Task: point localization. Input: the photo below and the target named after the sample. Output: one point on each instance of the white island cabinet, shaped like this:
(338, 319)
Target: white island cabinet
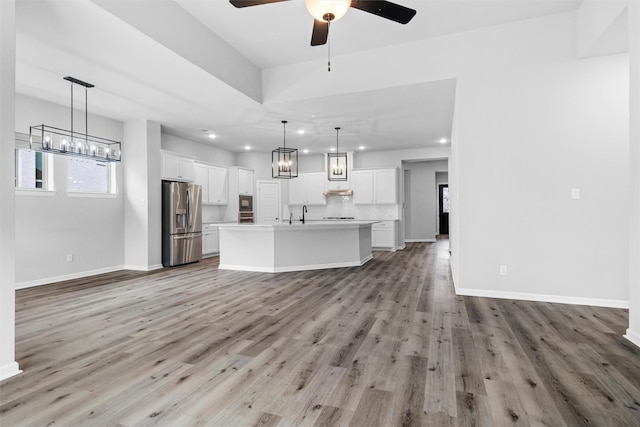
(274, 248)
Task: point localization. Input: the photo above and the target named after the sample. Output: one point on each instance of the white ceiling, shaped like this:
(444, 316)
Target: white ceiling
(134, 54)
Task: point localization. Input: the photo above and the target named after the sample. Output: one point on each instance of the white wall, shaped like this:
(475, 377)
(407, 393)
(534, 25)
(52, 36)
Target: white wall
(528, 135)
(633, 332)
(202, 152)
(8, 365)
(143, 195)
(421, 199)
(49, 228)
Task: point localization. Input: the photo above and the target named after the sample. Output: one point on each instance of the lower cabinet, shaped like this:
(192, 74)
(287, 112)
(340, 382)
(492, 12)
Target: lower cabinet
(210, 242)
(383, 235)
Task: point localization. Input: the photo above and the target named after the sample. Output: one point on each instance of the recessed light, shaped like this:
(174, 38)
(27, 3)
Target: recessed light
(212, 135)
(332, 148)
(300, 131)
(443, 140)
(247, 147)
(361, 147)
(305, 151)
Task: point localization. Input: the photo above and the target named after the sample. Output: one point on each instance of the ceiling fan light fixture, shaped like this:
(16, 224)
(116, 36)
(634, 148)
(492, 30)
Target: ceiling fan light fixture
(327, 10)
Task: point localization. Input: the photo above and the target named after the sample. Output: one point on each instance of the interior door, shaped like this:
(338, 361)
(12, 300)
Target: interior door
(443, 208)
(269, 206)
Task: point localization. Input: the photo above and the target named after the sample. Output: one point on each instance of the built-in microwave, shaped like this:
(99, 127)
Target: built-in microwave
(245, 209)
(246, 203)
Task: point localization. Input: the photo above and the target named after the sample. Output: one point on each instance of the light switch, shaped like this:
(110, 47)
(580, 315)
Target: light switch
(575, 193)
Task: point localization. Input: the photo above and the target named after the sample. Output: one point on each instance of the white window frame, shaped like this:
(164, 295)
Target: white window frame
(112, 187)
(48, 184)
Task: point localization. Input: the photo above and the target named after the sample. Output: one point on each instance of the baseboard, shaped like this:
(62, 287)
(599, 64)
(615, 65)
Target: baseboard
(420, 240)
(79, 275)
(401, 247)
(9, 370)
(141, 267)
(596, 302)
(633, 337)
(295, 267)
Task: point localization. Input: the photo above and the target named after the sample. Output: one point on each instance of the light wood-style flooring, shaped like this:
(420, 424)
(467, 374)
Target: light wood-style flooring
(386, 344)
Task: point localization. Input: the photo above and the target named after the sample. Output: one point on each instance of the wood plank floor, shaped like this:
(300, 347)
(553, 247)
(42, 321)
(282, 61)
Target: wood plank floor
(386, 344)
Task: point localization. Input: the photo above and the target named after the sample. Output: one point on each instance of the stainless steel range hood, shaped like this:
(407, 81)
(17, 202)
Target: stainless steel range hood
(338, 193)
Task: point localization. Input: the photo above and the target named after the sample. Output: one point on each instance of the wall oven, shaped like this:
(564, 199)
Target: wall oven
(245, 209)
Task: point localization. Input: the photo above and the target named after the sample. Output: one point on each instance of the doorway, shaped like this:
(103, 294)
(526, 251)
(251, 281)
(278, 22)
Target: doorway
(269, 206)
(443, 208)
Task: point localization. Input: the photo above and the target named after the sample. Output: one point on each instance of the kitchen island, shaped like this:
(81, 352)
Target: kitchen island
(275, 248)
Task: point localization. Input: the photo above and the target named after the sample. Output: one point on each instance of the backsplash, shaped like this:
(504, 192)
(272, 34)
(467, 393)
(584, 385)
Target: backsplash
(343, 206)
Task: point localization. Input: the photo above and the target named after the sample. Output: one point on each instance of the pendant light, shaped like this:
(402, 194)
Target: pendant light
(284, 161)
(68, 142)
(337, 163)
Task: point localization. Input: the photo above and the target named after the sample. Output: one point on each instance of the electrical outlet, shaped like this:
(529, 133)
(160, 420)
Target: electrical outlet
(503, 270)
(69, 257)
(575, 193)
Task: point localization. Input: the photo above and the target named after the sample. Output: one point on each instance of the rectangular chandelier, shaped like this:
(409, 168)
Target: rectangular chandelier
(62, 141)
(284, 163)
(68, 142)
(337, 167)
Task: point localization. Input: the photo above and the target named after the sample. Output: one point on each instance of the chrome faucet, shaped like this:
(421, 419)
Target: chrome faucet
(304, 209)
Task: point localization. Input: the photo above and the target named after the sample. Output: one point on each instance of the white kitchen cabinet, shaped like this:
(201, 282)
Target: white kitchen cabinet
(308, 189)
(218, 180)
(177, 168)
(383, 235)
(210, 239)
(245, 182)
(375, 186)
(201, 177)
(214, 182)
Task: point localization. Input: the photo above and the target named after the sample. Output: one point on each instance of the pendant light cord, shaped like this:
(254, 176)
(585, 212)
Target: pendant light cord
(328, 46)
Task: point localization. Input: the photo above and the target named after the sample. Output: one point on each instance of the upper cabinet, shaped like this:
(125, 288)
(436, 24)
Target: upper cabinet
(308, 189)
(218, 185)
(375, 186)
(177, 168)
(245, 182)
(214, 182)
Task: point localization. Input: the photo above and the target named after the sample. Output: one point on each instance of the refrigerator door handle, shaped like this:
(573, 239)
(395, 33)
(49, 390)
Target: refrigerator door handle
(188, 209)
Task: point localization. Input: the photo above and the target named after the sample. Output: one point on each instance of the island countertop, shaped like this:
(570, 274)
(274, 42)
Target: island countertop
(294, 247)
(298, 225)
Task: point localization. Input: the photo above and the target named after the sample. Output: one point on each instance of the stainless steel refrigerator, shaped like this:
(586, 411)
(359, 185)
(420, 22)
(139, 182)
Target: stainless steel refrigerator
(181, 223)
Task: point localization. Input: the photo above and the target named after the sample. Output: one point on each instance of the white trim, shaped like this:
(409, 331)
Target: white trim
(384, 248)
(9, 370)
(401, 247)
(420, 240)
(79, 275)
(89, 194)
(35, 192)
(142, 267)
(597, 302)
(294, 267)
(633, 337)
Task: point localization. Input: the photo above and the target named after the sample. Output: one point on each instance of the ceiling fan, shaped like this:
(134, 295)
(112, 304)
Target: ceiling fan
(326, 11)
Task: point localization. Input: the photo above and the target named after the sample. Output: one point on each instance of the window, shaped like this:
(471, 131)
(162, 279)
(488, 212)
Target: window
(33, 170)
(89, 176)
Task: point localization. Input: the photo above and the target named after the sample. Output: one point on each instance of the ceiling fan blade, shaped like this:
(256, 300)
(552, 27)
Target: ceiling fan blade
(320, 32)
(246, 3)
(385, 9)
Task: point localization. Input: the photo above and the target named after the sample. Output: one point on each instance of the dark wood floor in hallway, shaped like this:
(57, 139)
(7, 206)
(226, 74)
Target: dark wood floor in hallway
(386, 344)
